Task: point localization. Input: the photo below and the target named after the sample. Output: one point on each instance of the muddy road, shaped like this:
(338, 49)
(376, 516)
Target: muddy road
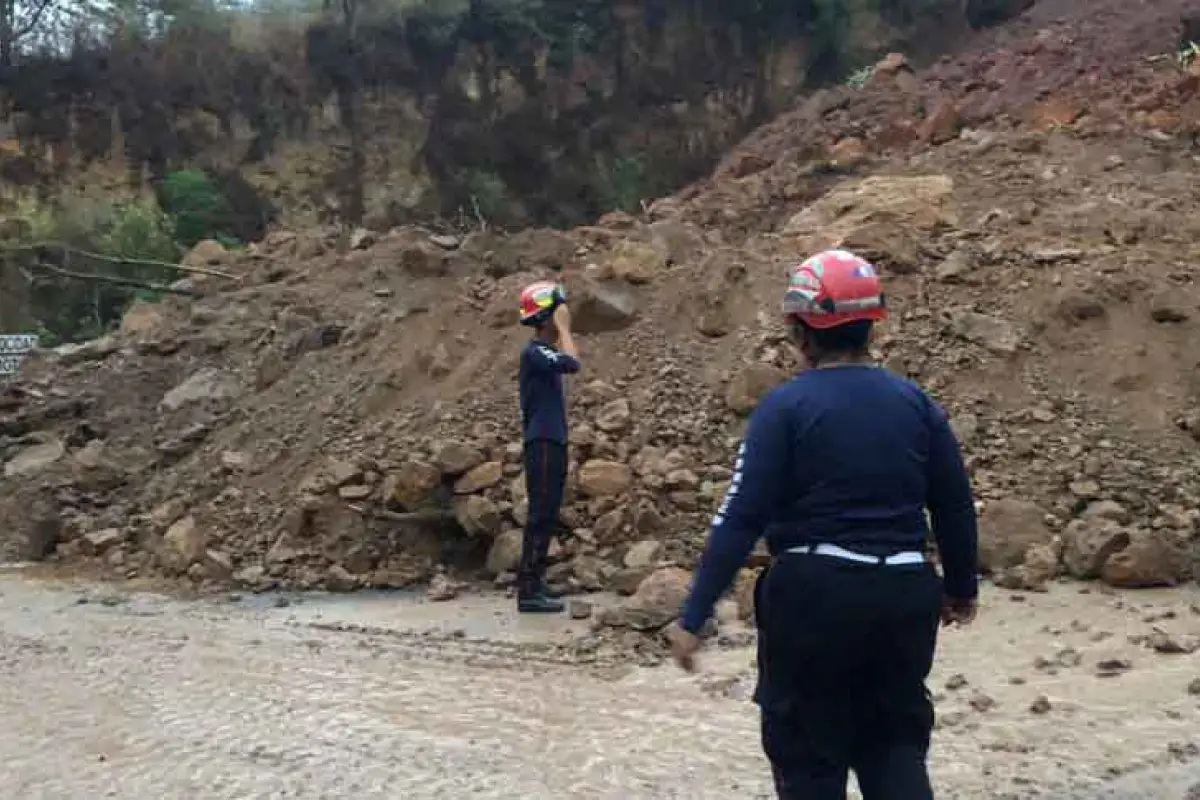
(108, 694)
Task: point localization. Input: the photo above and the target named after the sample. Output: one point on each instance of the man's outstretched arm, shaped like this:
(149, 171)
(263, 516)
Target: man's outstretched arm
(760, 475)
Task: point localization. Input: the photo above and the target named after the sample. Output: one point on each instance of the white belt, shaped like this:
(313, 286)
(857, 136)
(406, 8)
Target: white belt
(907, 557)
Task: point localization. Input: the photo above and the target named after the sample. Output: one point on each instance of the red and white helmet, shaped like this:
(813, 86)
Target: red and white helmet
(833, 288)
(538, 301)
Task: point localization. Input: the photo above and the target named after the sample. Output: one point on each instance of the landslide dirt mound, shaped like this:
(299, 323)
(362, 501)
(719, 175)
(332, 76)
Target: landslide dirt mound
(1031, 202)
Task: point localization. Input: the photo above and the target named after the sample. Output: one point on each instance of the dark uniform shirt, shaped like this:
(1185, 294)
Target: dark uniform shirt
(543, 407)
(852, 456)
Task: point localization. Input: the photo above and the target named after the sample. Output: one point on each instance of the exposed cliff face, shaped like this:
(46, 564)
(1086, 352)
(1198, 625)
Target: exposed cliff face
(548, 112)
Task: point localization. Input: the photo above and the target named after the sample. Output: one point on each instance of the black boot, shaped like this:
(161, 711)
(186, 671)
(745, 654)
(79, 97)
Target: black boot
(539, 604)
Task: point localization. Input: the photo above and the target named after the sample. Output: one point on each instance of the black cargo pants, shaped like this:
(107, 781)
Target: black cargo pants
(844, 651)
(545, 482)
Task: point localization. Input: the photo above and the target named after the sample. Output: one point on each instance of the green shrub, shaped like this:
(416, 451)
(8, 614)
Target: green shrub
(487, 192)
(623, 184)
(197, 205)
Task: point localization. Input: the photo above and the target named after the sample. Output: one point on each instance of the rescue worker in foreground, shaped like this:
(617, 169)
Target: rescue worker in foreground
(549, 355)
(837, 469)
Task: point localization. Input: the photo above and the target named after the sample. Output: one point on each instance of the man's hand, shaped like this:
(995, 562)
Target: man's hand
(562, 317)
(684, 647)
(959, 611)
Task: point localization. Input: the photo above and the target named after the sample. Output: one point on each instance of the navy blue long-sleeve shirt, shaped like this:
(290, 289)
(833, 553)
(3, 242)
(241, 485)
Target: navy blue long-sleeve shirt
(543, 406)
(849, 455)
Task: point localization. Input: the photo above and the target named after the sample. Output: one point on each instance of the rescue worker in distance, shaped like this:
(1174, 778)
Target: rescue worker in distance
(837, 470)
(549, 355)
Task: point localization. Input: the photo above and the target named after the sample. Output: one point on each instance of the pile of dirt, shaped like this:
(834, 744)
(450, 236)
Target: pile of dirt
(344, 413)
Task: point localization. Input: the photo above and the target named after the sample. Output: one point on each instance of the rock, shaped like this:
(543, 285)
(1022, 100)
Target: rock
(599, 478)
(251, 576)
(637, 263)
(183, 545)
(886, 209)
(441, 589)
(205, 385)
(1107, 510)
(505, 553)
(362, 239)
(97, 543)
(485, 476)
(658, 600)
(1041, 565)
(1040, 705)
(615, 416)
(1008, 528)
(412, 486)
(750, 385)
(743, 593)
(996, 335)
(338, 579)
(218, 564)
(206, 253)
(954, 267)
(477, 515)
(601, 308)
(446, 242)
(1168, 644)
(235, 461)
(455, 458)
(1194, 687)
(94, 350)
(1110, 667)
(1089, 543)
(1150, 559)
(981, 702)
(625, 582)
(354, 493)
(34, 459)
(848, 153)
(1166, 309)
(579, 609)
(643, 554)
(956, 681)
(942, 125)
(437, 363)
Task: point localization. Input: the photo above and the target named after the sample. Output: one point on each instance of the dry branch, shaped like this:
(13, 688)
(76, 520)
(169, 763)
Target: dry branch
(81, 276)
(117, 259)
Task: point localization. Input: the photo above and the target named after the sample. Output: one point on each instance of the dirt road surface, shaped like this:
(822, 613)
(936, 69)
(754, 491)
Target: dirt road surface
(108, 694)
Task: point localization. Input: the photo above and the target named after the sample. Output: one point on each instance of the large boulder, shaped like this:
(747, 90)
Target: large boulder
(454, 458)
(750, 384)
(1152, 558)
(505, 553)
(599, 478)
(1008, 528)
(478, 515)
(183, 544)
(35, 458)
(658, 600)
(599, 307)
(1089, 543)
(884, 217)
(485, 476)
(412, 486)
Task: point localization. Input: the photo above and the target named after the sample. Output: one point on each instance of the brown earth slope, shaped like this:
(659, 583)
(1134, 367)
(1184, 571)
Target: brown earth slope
(1031, 203)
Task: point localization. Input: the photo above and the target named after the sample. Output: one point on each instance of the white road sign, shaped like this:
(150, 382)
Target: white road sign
(13, 349)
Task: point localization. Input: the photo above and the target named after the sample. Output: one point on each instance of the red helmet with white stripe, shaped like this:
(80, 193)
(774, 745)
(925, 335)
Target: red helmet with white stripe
(834, 288)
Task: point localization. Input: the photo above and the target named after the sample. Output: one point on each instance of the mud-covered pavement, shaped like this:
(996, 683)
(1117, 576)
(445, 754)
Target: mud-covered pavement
(141, 696)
